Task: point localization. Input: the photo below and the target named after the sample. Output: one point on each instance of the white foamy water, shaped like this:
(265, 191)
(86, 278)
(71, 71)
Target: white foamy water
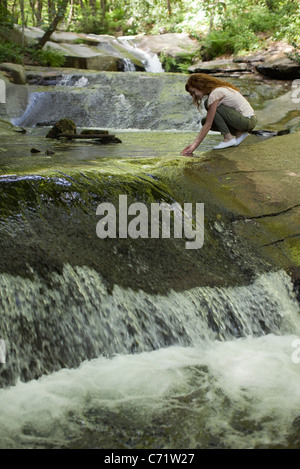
(230, 393)
(244, 393)
(68, 80)
(150, 60)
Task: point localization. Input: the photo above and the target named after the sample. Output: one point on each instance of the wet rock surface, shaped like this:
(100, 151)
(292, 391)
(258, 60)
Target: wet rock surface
(252, 180)
(62, 126)
(272, 62)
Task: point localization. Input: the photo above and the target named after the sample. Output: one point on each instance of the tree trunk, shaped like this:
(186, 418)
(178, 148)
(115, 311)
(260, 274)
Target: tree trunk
(70, 14)
(39, 12)
(169, 7)
(59, 17)
(36, 11)
(51, 10)
(103, 7)
(93, 5)
(23, 21)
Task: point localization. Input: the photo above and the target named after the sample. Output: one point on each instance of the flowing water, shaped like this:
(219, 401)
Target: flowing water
(123, 344)
(149, 59)
(180, 388)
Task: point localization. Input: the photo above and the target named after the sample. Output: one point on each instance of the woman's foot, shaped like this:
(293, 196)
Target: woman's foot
(239, 139)
(229, 141)
(226, 144)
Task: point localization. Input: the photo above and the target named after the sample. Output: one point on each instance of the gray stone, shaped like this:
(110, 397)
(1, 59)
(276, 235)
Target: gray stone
(6, 128)
(282, 69)
(90, 57)
(172, 44)
(15, 72)
(220, 66)
(62, 126)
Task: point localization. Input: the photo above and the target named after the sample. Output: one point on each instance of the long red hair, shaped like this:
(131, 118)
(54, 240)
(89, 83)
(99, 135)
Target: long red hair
(206, 84)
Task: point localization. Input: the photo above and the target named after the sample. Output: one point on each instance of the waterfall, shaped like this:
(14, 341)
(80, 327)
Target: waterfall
(128, 65)
(76, 317)
(158, 359)
(72, 80)
(106, 100)
(153, 64)
(149, 59)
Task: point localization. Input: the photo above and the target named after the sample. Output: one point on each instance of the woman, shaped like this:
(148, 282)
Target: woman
(227, 111)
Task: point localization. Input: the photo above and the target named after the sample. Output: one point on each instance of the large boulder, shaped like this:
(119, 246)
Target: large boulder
(172, 44)
(281, 68)
(109, 53)
(258, 182)
(15, 73)
(7, 129)
(272, 62)
(13, 98)
(63, 126)
(85, 57)
(30, 35)
(281, 112)
(220, 67)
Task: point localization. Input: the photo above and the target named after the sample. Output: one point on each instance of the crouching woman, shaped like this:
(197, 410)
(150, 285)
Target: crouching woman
(228, 111)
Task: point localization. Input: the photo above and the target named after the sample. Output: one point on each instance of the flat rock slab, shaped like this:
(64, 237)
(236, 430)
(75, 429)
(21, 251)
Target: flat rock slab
(259, 182)
(172, 44)
(282, 68)
(226, 66)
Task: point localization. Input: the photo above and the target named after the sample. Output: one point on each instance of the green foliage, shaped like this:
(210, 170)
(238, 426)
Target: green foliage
(5, 18)
(48, 57)
(295, 55)
(231, 39)
(180, 63)
(10, 52)
(89, 21)
(14, 53)
(240, 28)
(221, 26)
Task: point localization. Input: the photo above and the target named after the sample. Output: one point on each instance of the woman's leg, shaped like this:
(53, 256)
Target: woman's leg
(229, 121)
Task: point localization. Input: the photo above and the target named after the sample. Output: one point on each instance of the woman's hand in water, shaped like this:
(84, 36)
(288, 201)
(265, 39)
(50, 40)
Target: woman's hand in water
(190, 148)
(203, 131)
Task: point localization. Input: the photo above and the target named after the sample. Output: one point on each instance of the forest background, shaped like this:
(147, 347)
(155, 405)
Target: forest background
(228, 27)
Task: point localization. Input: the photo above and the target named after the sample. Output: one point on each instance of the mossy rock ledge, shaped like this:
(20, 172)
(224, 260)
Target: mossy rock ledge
(258, 182)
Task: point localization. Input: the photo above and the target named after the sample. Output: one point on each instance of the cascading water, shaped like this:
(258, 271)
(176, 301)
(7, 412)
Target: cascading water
(149, 59)
(69, 80)
(107, 100)
(164, 366)
(128, 65)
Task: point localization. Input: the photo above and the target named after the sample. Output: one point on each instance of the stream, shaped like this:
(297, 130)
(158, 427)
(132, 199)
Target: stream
(133, 343)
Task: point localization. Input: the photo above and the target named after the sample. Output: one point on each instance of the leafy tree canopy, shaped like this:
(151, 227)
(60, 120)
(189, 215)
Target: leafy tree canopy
(222, 27)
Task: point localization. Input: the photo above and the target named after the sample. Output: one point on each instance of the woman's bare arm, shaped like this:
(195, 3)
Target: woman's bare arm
(204, 129)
